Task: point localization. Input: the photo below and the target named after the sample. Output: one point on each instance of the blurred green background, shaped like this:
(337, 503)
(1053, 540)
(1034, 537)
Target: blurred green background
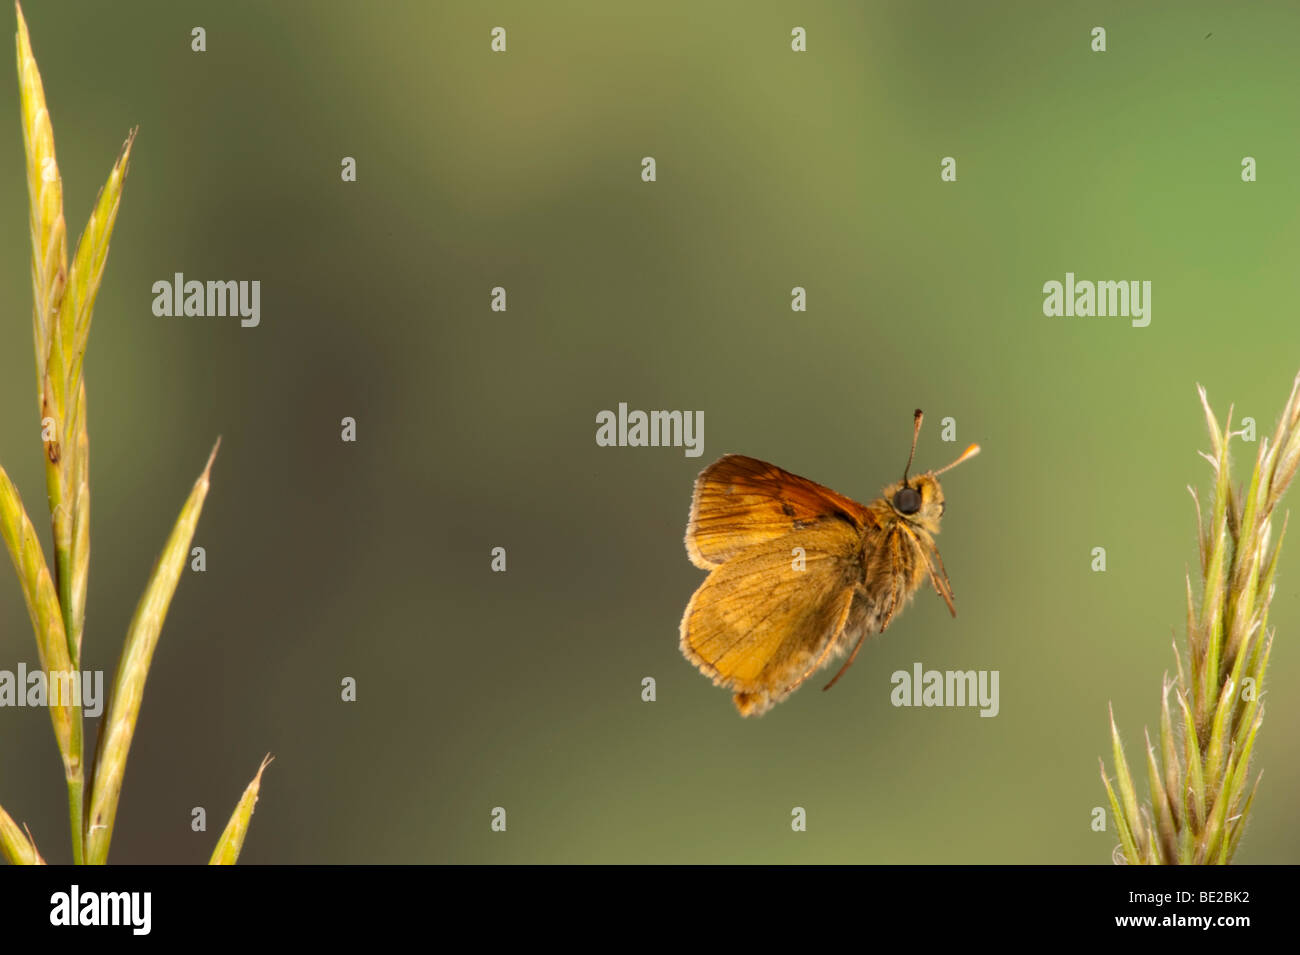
(476, 428)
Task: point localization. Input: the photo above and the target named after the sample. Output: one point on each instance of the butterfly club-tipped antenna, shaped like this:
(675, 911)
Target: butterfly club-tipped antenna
(917, 415)
(966, 455)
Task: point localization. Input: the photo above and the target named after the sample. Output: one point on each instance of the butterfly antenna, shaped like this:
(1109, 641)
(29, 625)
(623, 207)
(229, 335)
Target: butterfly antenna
(966, 455)
(916, 433)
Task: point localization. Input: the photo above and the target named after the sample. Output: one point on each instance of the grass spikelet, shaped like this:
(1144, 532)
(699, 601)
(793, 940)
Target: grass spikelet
(1200, 775)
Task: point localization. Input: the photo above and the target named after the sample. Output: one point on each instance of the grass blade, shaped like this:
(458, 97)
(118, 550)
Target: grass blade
(41, 599)
(45, 201)
(88, 264)
(232, 838)
(1126, 840)
(118, 726)
(1166, 846)
(16, 845)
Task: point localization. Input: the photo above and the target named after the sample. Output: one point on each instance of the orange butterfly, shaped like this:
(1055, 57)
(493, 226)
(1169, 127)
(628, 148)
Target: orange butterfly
(800, 572)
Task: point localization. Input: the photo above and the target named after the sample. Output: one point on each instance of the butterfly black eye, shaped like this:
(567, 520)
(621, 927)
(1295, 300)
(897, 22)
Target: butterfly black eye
(907, 500)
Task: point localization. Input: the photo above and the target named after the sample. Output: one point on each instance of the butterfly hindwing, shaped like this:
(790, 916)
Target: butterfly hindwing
(760, 625)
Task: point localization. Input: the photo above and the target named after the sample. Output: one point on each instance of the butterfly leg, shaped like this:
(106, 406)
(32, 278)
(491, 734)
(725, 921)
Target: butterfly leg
(866, 619)
(847, 663)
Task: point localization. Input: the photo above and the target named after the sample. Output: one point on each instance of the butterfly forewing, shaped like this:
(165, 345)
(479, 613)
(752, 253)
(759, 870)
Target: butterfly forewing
(740, 502)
